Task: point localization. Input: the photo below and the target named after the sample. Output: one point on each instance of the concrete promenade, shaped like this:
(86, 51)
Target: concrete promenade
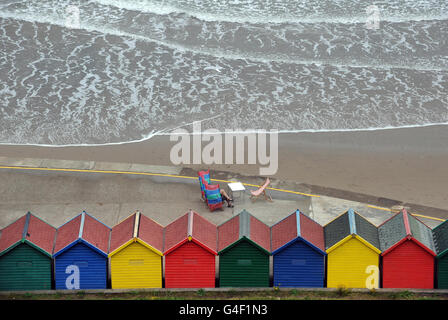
(58, 190)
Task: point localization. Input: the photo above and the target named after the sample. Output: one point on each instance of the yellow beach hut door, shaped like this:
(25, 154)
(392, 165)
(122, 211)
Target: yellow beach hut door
(136, 266)
(350, 265)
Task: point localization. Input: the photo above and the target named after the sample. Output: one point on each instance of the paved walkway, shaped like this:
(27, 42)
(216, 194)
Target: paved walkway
(58, 190)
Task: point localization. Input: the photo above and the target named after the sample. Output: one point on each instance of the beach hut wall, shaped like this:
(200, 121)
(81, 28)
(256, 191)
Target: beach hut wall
(190, 252)
(244, 250)
(81, 254)
(407, 252)
(298, 249)
(26, 254)
(352, 247)
(440, 236)
(136, 248)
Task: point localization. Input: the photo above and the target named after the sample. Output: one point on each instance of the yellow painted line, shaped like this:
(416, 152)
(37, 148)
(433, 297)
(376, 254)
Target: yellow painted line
(100, 171)
(427, 217)
(414, 214)
(146, 174)
(381, 208)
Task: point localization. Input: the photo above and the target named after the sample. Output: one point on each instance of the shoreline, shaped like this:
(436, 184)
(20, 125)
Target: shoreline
(407, 164)
(168, 133)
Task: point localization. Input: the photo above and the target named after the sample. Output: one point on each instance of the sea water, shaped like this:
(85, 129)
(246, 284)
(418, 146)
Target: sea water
(114, 71)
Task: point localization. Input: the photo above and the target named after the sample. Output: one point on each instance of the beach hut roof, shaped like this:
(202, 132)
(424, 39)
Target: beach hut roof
(137, 228)
(440, 236)
(404, 226)
(122, 232)
(83, 228)
(190, 227)
(29, 229)
(297, 225)
(244, 226)
(351, 223)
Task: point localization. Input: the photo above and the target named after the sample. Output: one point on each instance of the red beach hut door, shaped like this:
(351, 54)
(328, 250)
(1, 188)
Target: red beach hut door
(408, 266)
(190, 266)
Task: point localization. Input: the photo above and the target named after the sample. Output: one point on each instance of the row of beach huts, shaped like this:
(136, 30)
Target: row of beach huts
(192, 252)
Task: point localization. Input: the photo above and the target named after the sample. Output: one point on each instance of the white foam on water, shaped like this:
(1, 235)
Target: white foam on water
(263, 58)
(168, 132)
(165, 131)
(199, 69)
(251, 16)
(279, 131)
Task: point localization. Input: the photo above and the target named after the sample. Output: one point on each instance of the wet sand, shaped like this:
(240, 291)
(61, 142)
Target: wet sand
(410, 164)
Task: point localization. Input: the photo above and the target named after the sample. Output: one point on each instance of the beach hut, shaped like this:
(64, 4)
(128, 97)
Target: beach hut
(244, 250)
(136, 253)
(298, 249)
(440, 236)
(25, 254)
(407, 252)
(190, 252)
(353, 252)
(80, 254)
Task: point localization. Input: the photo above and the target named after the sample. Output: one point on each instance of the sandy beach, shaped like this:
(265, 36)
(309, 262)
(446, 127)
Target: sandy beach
(403, 164)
